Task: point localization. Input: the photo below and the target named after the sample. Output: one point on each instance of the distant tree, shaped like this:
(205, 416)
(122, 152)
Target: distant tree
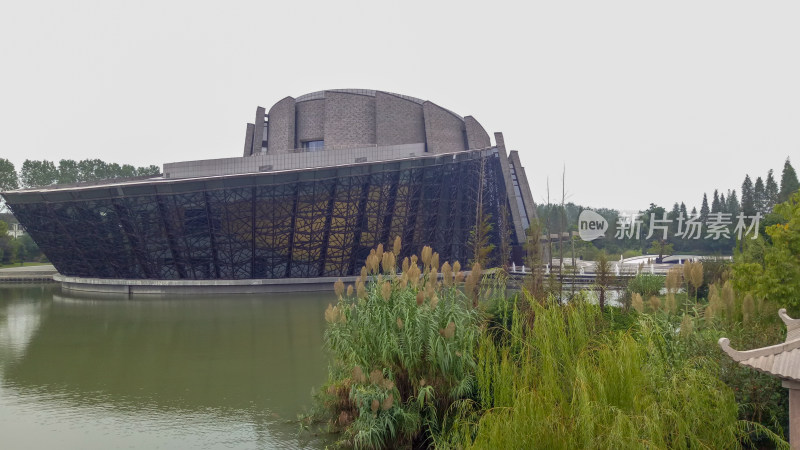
(113, 170)
(8, 176)
(759, 196)
(656, 212)
(789, 183)
(660, 248)
(675, 212)
(723, 203)
(67, 171)
(704, 210)
(149, 170)
(45, 173)
(127, 171)
(715, 204)
(4, 241)
(770, 192)
(748, 197)
(604, 277)
(673, 217)
(8, 247)
(38, 173)
(92, 170)
(8, 179)
(733, 203)
(28, 250)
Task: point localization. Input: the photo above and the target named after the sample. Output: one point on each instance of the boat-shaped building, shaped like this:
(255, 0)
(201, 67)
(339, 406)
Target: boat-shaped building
(323, 178)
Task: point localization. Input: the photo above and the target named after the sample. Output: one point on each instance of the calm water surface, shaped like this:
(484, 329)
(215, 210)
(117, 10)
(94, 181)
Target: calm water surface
(87, 372)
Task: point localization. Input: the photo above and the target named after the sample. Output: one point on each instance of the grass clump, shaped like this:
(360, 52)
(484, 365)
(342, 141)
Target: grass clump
(403, 351)
(572, 376)
(646, 285)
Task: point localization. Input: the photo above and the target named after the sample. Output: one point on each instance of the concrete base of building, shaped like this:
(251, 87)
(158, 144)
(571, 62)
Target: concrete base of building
(197, 287)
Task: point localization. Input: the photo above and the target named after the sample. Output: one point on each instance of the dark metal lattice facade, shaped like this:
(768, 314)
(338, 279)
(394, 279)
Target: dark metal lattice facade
(303, 223)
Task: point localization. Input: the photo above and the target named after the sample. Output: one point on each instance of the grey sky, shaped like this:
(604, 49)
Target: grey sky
(642, 101)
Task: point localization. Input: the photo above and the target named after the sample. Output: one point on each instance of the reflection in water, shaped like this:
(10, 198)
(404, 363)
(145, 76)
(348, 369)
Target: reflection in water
(18, 323)
(166, 372)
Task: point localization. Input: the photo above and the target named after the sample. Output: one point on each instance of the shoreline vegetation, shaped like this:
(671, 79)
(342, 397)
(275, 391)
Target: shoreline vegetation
(426, 356)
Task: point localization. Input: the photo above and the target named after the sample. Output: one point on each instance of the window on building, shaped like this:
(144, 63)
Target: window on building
(313, 146)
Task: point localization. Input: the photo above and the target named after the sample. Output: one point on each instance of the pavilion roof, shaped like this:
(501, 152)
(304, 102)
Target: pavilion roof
(781, 360)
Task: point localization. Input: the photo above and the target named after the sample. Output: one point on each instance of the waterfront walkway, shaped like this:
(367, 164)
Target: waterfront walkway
(28, 274)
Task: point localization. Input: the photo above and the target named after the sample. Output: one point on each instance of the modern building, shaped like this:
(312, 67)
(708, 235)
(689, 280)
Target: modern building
(323, 178)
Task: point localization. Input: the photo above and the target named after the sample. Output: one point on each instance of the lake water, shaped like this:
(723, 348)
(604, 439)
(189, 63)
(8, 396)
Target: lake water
(87, 372)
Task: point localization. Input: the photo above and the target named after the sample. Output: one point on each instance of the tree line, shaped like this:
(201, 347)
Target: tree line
(40, 173)
(756, 198)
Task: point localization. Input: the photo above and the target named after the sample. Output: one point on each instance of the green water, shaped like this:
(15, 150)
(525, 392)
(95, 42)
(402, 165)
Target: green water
(86, 372)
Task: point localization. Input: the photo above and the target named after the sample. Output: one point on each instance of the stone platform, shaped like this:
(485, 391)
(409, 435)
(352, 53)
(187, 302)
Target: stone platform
(28, 274)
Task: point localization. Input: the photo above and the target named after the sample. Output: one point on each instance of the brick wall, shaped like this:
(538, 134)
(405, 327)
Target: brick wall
(346, 119)
(349, 119)
(397, 120)
(282, 126)
(476, 135)
(310, 121)
(443, 129)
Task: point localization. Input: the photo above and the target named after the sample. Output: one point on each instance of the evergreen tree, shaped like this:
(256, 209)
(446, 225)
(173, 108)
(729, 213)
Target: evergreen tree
(676, 210)
(759, 196)
(748, 200)
(733, 203)
(789, 183)
(683, 210)
(715, 205)
(723, 203)
(704, 209)
(673, 224)
(770, 192)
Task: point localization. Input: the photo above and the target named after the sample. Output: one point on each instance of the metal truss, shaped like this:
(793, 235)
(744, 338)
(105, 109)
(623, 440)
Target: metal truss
(320, 222)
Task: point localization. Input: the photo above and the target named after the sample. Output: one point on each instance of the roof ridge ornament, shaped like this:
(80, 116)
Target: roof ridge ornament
(791, 324)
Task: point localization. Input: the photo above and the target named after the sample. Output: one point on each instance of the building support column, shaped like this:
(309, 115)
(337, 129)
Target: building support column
(794, 413)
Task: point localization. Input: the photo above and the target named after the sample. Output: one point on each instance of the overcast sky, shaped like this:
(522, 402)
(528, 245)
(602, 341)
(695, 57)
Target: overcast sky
(640, 101)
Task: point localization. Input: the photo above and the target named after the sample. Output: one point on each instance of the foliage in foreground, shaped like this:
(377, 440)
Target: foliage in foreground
(721, 311)
(415, 364)
(562, 377)
(403, 349)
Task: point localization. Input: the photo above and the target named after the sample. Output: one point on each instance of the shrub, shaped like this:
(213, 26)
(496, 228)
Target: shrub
(646, 284)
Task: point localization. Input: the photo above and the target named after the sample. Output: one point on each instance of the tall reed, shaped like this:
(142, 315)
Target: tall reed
(403, 351)
(566, 380)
